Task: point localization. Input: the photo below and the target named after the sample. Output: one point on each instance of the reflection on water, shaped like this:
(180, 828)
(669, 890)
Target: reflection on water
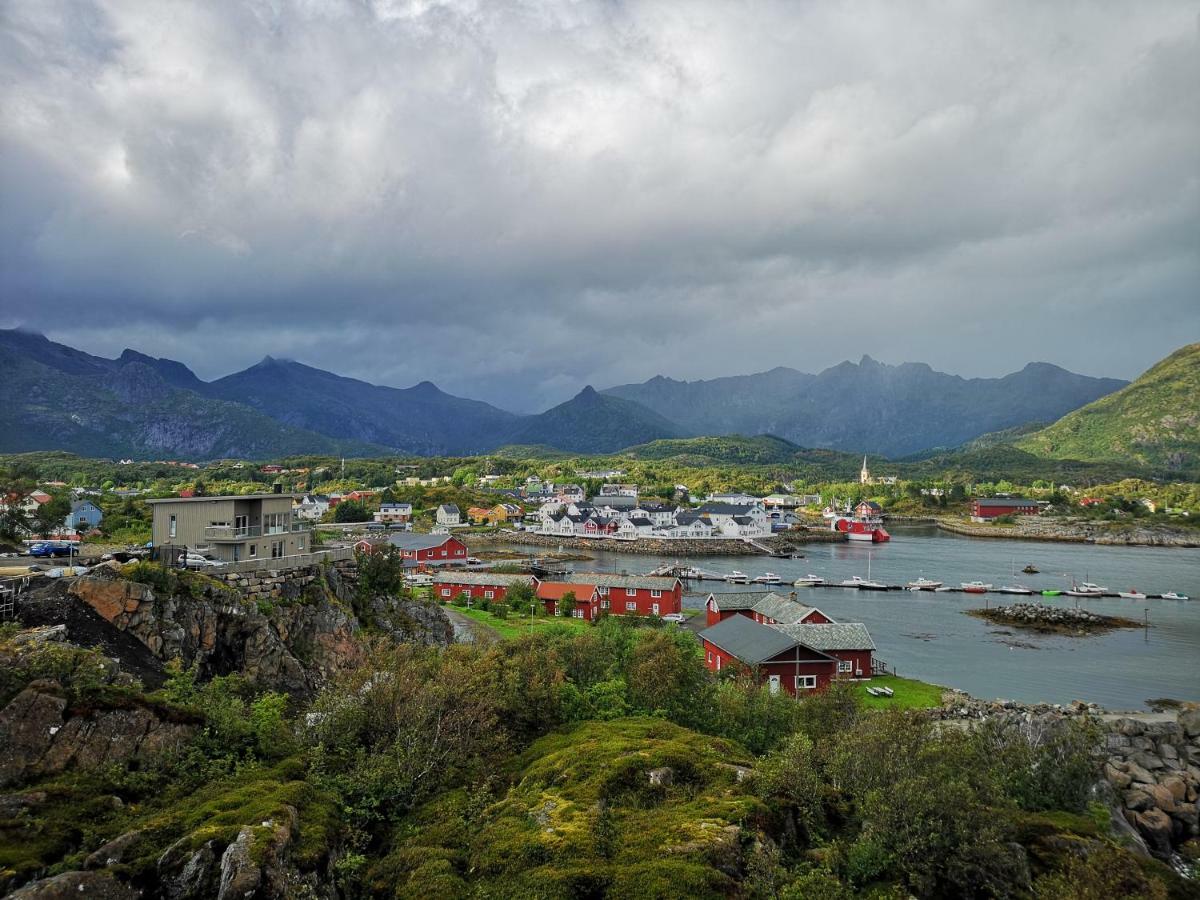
(927, 635)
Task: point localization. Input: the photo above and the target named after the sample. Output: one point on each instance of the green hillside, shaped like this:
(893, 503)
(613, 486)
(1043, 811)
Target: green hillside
(1154, 422)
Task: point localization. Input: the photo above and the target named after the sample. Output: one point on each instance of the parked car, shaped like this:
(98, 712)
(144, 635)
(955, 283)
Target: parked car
(196, 561)
(674, 617)
(50, 549)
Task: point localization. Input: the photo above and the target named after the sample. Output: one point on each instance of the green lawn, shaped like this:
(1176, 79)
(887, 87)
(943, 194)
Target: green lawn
(910, 693)
(515, 626)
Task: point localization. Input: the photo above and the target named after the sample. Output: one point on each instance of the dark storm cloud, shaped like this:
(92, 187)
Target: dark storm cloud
(516, 199)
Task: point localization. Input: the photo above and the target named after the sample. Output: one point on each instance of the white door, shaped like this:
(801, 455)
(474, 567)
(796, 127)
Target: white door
(774, 684)
(655, 608)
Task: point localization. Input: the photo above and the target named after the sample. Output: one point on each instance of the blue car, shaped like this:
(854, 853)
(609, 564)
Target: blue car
(48, 548)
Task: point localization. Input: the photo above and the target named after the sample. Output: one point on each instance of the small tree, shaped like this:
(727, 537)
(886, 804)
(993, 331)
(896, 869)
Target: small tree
(566, 604)
(351, 511)
(52, 515)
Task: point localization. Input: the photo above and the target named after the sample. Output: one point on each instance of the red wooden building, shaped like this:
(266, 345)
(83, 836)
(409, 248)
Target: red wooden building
(587, 599)
(634, 595)
(793, 658)
(766, 607)
(476, 585)
(994, 507)
(429, 549)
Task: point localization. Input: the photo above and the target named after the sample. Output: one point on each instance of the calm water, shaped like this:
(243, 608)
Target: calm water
(927, 636)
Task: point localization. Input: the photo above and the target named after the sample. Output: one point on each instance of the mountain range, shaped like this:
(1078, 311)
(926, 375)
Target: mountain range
(1155, 421)
(869, 406)
(56, 397)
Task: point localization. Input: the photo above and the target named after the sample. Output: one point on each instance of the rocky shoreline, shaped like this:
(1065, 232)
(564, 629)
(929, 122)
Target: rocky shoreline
(677, 547)
(1149, 765)
(1052, 619)
(1073, 531)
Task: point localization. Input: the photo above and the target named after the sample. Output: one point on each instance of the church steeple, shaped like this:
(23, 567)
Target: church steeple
(864, 477)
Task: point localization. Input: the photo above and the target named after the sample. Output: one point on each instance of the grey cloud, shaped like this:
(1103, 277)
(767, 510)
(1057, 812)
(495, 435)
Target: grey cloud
(515, 199)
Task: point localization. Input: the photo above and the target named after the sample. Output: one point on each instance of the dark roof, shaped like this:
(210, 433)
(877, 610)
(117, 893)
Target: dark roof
(449, 507)
(839, 636)
(646, 582)
(742, 520)
(1006, 501)
(79, 504)
(749, 641)
(640, 521)
(725, 509)
(739, 599)
(418, 541)
(482, 578)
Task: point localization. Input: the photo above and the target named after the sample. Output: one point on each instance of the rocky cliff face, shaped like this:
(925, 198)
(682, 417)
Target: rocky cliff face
(294, 638)
(41, 734)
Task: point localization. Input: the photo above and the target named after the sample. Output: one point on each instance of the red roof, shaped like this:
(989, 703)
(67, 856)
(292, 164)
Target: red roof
(554, 590)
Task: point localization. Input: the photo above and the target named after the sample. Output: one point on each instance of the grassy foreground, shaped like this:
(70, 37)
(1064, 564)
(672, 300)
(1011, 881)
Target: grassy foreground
(514, 626)
(909, 693)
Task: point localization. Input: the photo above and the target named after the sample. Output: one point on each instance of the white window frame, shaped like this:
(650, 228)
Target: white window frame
(806, 682)
(445, 592)
(577, 613)
(656, 594)
(489, 595)
(631, 606)
(172, 527)
(630, 592)
(845, 665)
(254, 550)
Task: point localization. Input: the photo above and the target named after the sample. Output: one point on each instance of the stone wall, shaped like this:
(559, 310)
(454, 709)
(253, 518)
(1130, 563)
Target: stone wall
(290, 582)
(677, 547)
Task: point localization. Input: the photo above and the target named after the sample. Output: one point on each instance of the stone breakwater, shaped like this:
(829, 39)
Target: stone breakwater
(677, 547)
(1148, 763)
(1076, 531)
(1064, 619)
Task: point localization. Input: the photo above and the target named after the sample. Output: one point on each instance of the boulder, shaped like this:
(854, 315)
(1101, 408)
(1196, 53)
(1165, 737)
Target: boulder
(1139, 775)
(1162, 797)
(1155, 826)
(1189, 721)
(662, 777)
(1118, 779)
(114, 852)
(240, 874)
(28, 726)
(1138, 800)
(73, 885)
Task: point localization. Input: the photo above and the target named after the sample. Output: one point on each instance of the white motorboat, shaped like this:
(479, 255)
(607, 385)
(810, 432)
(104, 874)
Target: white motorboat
(1014, 589)
(736, 577)
(809, 580)
(1087, 589)
(1132, 594)
(768, 578)
(853, 581)
(1171, 595)
(945, 589)
(924, 584)
(975, 587)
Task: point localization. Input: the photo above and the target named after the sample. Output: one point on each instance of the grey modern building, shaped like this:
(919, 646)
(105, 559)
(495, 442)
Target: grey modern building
(233, 528)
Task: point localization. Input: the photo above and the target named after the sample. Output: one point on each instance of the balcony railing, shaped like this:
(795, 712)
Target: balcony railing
(232, 533)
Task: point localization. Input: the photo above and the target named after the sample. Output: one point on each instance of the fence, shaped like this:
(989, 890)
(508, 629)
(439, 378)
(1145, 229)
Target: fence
(297, 561)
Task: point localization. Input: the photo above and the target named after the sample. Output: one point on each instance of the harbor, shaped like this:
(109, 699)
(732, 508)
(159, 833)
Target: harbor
(928, 635)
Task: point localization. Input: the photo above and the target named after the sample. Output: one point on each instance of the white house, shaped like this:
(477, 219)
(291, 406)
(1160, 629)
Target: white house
(394, 513)
(737, 520)
(736, 499)
(448, 515)
(659, 514)
(619, 490)
(311, 507)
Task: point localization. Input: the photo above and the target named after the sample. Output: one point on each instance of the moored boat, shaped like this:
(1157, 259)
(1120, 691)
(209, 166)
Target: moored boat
(1087, 589)
(924, 584)
(1051, 593)
(736, 577)
(1030, 569)
(809, 580)
(1014, 589)
(768, 578)
(1132, 594)
(1171, 595)
(975, 587)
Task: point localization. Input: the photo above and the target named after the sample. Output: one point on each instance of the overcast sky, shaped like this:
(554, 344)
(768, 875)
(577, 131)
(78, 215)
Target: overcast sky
(517, 199)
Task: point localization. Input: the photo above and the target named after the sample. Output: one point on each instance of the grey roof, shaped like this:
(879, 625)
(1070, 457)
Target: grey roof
(615, 501)
(418, 541)
(724, 509)
(448, 507)
(483, 578)
(1006, 501)
(658, 507)
(782, 609)
(79, 504)
(689, 518)
(742, 520)
(640, 520)
(747, 640)
(740, 599)
(841, 636)
(646, 582)
(209, 499)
